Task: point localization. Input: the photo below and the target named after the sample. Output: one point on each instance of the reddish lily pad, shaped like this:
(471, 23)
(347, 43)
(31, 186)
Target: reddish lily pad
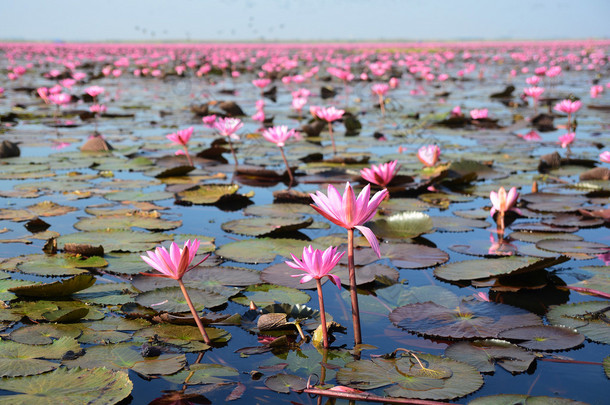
(588, 318)
(412, 256)
(544, 337)
(512, 399)
(483, 354)
(457, 224)
(469, 320)
(571, 246)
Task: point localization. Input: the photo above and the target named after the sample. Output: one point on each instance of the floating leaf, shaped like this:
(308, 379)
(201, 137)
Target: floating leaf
(572, 246)
(475, 269)
(513, 399)
(441, 379)
(457, 224)
(534, 237)
(606, 364)
(284, 383)
(262, 226)
(127, 356)
(483, 354)
(202, 373)
(404, 225)
(263, 250)
(589, 318)
(471, 319)
(279, 210)
(74, 386)
(412, 256)
(544, 337)
(208, 193)
(267, 294)
(59, 264)
(116, 240)
(43, 334)
(18, 359)
(183, 335)
(56, 289)
(171, 299)
(130, 195)
(104, 222)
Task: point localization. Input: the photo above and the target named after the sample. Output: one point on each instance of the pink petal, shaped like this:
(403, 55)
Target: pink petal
(371, 238)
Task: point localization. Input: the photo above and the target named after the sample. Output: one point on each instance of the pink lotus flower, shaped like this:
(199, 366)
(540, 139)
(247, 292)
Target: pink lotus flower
(261, 83)
(596, 91)
(43, 92)
(298, 103)
(259, 116)
(568, 106)
(228, 127)
(329, 114)
(98, 108)
(502, 202)
(532, 81)
(279, 135)
(531, 136)
(394, 82)
(209, 120)
(175, 263)
(605, 156)
(67, 83)
(380, 89)
(382, 174)
(181, 137)
(429, 154)
(317, 264)
(94, 91)
(477, 114)
(534, 92)
(457, 111)
(567, 139)
(348, 211)
(60, 99)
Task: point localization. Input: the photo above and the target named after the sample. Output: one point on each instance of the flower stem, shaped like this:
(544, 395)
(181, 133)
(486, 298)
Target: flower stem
(232, 151)
(332, 137)
(287, 167)
(206, 338)
(322, 313)
(352, 287)
(186, 152)
(381, 105)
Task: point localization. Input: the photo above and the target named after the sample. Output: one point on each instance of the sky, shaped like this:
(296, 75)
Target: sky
(302, 20)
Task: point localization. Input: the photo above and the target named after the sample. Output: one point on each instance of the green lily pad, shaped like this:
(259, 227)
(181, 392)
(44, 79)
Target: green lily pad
(483, 354)
(544, 337)
(65, 386)
(66, 315)
(129, 195)
(18, 359)
(182, 335)
(93, 337)
(512, 399)
(125, 263)
(7, 284)
(203, 373)
(207, 194)
(121, 356)
(267, 294)
(107, 294)
(281, 274)
(262, 226)
(396, 205)
(171, 299)
(411, 256)
(483, 172)
(457, 224)
(475, 269)
(43, 334)
(284, 383)
(471, 319)
(197, 278)
(50, 209)
(606, 364)
(404, 225)
(56, 289)
(116, 240)
(263, 250)
(572, 246)
(589, 318)
(59, 264)
(16, 215)
(119, 323)
(104, 222)
(441, 378)
(279, 210)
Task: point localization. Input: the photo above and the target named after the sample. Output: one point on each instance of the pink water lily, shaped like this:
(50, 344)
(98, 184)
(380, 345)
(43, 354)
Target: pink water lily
(429, 155)
(316, 265)
(279, 135)
(182, 137)
(566, 139)
(228, 127)
(328, 114)
(174, 264)
(94, 91)
(381, 174)
(605, 156)
(380, 89)
(569, 107)
(502, 201)
(478, 114)
(348, 211)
